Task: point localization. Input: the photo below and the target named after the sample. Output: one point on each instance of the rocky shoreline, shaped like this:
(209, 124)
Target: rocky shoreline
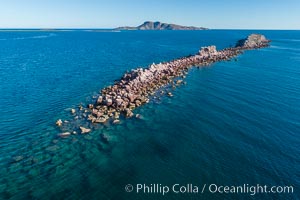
(135, 87)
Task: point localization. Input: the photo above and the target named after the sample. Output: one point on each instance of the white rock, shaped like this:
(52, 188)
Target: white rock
(59, 122)
(65, 134)
(84, 130)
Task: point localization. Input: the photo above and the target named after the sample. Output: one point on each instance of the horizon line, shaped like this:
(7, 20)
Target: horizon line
(95, 28)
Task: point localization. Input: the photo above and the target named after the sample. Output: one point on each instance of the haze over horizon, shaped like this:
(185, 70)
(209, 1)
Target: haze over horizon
(214, 14)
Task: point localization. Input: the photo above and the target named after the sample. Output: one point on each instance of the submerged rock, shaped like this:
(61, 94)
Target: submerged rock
(18, 158)
(116, 121)
(104, 138)
(178, 82)
(138, 116)
(65, 134)
(88, 137)
(54, 141)
(52, 148)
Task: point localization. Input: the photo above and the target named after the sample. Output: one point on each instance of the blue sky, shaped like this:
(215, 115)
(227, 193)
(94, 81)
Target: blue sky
(229, 14)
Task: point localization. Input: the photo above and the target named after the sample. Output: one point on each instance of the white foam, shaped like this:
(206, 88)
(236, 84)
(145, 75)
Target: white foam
(31, 37)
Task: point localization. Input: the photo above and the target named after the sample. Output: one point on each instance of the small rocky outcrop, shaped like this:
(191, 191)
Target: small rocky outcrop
(84, 130)
(59, 122)
(253, 41)
(208, 51)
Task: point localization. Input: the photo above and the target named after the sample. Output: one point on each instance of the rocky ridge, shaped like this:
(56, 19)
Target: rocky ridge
(137, 86)
(148, 25)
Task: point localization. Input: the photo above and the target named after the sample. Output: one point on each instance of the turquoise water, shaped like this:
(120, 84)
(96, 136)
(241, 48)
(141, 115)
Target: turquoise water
(233, 123)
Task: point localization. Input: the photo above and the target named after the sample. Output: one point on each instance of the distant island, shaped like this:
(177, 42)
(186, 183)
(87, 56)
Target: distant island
(148, 25)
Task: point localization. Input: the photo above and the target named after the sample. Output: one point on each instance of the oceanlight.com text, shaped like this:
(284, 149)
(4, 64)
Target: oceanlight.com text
(189, 188)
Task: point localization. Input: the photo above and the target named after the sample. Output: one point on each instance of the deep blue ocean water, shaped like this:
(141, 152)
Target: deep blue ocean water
(233, 123)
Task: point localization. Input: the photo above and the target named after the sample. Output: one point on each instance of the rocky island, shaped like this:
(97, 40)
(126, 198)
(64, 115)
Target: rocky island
(136, 87)
(148, 25)
(253, 41)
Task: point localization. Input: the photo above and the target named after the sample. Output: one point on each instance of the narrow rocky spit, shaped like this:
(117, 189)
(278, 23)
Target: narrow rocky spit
(136, 87)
